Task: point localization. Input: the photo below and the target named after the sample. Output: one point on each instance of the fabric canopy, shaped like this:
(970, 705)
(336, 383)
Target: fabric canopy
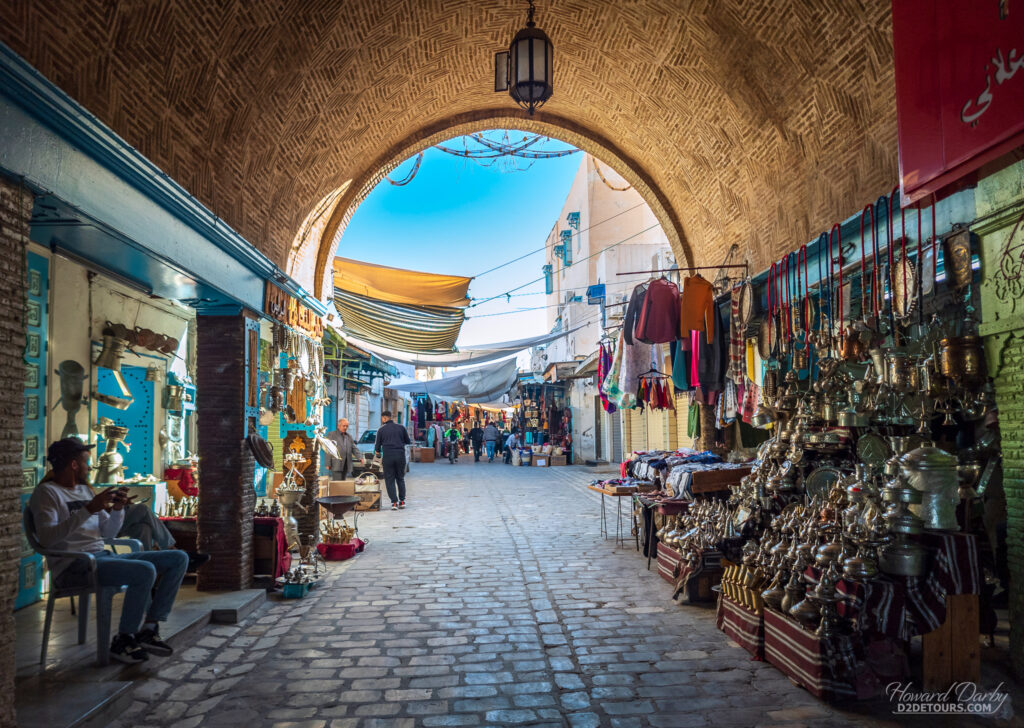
(427, 329)
(467, 355)
(396, 285)
(484, 384)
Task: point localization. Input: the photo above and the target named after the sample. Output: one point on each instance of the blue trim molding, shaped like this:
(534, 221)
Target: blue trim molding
(72, 134)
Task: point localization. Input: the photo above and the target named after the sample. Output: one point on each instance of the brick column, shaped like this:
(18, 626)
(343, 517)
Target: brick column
(15, 216)
(1009, 383)
(226, 466)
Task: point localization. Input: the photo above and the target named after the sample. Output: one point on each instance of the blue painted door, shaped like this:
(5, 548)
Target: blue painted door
(138, 418)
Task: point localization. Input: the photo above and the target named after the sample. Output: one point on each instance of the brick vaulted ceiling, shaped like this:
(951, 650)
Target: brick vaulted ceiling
(754, 122)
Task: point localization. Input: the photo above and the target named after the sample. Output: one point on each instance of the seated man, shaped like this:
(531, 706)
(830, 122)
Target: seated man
(70, 517)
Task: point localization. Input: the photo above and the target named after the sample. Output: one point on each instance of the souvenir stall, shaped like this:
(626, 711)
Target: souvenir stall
(120, 376)
(543, 418)
(860, 537)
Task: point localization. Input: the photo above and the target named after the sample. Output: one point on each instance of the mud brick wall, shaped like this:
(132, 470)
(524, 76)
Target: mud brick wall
(15, 214)
(226, 465)
(1010, 399)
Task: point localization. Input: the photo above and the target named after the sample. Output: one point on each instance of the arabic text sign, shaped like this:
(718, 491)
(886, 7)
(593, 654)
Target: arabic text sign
(959, 87)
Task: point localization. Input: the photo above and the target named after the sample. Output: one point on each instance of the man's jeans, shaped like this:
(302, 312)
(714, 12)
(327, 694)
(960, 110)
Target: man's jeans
(490, 449)
(152, 578)
(393, 464)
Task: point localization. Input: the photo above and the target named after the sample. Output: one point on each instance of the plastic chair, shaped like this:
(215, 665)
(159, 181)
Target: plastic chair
(84, 589)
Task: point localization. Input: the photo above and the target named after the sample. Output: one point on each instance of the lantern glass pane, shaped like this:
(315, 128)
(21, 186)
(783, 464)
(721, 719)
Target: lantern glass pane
(550, 75)
(540, 70)
(522, 51)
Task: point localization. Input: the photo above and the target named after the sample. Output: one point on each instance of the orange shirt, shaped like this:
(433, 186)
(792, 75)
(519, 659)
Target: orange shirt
(696, 308)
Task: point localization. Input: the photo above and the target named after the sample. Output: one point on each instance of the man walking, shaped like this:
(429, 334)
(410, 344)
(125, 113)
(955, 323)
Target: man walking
(348, 453)
(476, 439)
(491, 438)
(390, 445)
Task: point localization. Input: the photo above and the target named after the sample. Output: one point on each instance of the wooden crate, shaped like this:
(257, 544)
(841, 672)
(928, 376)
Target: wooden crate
(715, 481)
(426, 454)
(804, 659)
(559, 460)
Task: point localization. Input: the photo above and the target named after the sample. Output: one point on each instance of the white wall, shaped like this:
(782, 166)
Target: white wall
(72, 301)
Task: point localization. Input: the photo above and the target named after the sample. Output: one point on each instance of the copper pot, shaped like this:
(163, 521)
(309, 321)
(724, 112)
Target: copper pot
(850, 347)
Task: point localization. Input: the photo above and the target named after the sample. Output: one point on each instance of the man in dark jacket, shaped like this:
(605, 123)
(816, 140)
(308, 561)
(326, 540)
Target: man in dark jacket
(491, 439)
(390, 445)
(476, 439)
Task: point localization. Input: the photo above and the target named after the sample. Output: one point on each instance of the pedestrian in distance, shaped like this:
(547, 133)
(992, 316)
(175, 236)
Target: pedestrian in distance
(491, 437)
(452, 438)
(476, 439)
(512, 443)
(390, 446)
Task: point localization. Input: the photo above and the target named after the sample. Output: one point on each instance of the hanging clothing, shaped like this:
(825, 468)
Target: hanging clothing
(636, 360)
(737, 349)
(694, 351)
(658, 322)
(680, 366)
(696, 310)
(711, 357)
(633, 309)
(610, 384)
(693, 420)
(604, 364)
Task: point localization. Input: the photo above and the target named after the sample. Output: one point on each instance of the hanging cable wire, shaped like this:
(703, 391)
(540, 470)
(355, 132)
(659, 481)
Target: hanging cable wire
(592, 255)
(412, 173)
(576, 234)
(604, 179)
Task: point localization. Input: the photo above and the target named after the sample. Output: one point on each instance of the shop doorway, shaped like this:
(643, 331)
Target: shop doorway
(615, 419)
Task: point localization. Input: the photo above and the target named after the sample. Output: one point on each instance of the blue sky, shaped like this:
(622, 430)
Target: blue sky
(460, 218)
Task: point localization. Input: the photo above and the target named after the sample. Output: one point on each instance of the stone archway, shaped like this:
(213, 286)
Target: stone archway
(320, 251)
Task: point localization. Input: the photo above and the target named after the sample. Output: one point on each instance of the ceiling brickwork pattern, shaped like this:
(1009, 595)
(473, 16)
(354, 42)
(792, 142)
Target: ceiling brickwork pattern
(758, 123)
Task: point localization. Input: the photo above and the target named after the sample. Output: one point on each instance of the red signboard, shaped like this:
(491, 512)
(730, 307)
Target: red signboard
(959, 87)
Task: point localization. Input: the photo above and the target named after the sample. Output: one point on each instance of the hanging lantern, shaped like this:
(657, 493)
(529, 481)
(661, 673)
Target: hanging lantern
(525, 69)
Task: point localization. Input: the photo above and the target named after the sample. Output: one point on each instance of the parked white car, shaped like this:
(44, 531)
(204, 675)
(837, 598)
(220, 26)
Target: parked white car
(365, 445)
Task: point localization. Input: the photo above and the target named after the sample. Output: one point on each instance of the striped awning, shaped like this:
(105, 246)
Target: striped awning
(398, 285)
(424, 329)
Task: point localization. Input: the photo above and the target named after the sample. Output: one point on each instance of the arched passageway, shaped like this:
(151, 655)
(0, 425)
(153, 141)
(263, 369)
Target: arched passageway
(316, 251)
(759, 123)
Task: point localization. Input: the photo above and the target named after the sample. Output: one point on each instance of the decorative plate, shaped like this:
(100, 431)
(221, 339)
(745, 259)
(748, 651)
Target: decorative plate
(873, 450)
(821, 480)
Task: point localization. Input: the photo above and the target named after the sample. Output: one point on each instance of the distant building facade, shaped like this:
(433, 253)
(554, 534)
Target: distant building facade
(602, 230)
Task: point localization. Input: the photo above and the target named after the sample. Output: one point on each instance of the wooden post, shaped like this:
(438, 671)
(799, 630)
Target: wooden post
(951, 653)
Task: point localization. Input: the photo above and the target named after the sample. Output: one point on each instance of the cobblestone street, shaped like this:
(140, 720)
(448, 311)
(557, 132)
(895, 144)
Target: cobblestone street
(491, 600)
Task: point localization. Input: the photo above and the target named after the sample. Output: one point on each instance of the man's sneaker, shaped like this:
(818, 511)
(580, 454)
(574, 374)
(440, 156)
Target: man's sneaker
(125, 649)
(394, 506)
(149, 640)
(401, 504)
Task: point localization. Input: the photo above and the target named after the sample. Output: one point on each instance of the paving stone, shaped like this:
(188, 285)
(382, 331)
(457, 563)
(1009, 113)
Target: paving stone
(568, 681)
(520, 615)
(511, 716)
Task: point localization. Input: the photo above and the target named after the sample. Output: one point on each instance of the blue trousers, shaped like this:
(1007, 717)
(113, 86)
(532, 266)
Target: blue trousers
(490, 449)
(152, 578)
